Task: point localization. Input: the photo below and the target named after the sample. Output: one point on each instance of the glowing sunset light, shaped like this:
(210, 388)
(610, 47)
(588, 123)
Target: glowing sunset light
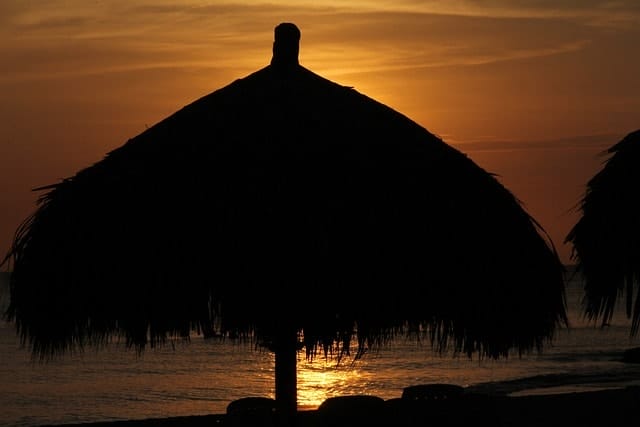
(530, 91)
(79, 79)
(319, 380)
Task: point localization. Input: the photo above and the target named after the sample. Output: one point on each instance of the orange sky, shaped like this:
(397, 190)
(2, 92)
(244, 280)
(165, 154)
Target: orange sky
(530, 90)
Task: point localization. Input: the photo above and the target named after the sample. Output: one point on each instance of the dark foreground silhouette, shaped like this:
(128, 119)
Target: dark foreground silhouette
(606, 238)
(292, 211)
(611, 408)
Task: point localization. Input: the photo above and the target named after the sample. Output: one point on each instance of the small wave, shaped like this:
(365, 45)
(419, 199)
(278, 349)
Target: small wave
(568, 381)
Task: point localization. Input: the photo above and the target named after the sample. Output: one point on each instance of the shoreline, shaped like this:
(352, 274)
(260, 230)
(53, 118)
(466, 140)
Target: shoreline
(615, 407)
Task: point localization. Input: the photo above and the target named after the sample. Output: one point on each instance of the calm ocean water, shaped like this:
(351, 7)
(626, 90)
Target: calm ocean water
(202, 377)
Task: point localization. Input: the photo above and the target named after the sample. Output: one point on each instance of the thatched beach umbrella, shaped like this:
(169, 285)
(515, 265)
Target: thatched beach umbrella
(290, 210)
(606, 238)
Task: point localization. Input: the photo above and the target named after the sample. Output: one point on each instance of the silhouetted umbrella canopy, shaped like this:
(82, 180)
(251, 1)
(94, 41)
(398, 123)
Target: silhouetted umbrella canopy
(293, 211)
(606, 238)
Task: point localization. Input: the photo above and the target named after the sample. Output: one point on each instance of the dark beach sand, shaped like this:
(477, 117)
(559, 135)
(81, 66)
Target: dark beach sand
(606, 408)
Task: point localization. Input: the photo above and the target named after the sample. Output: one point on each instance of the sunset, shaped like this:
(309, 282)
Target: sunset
(531, 92)
(319, 181)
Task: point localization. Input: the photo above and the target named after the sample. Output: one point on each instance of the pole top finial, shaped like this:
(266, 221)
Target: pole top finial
(286, 44)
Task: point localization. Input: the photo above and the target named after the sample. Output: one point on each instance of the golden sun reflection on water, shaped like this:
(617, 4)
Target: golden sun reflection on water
(320, 379)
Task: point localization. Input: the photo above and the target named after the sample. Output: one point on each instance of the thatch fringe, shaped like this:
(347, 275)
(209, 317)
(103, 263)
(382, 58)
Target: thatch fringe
(606, 238)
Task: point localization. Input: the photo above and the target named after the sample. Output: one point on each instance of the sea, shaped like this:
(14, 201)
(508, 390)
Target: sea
(202, 377)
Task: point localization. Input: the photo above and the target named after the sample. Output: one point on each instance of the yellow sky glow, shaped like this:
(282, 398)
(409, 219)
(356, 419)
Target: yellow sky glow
(530, 90)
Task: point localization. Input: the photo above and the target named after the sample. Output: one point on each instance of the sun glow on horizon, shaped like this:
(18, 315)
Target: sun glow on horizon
(321, 379)
(79, 79)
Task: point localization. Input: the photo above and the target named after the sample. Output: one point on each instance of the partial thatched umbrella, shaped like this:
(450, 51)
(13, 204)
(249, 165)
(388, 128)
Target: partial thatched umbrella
(293, 211)
(606, 238)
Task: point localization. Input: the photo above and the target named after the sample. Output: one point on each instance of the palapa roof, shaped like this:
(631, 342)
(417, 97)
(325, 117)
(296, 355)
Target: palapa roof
(285, 201)
(606, 238)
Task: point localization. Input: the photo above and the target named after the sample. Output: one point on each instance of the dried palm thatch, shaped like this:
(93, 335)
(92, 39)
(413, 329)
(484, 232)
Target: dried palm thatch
(606, 238)
(294, 211)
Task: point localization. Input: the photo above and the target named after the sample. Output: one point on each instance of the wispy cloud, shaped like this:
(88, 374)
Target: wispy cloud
(75, 37)
(523, 74)
(589, 12)
(597, 142)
